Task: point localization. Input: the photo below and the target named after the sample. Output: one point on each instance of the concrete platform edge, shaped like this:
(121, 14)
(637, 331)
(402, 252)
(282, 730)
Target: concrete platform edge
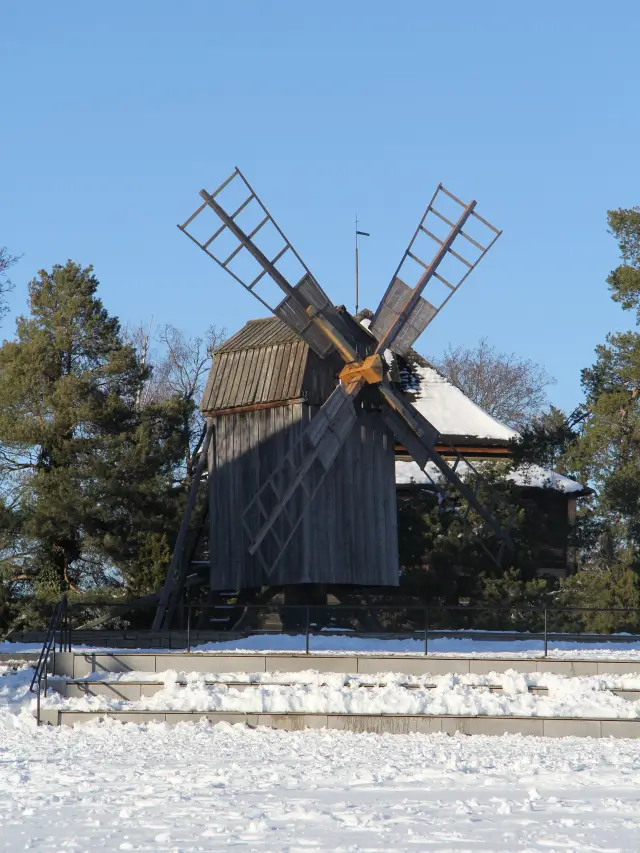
(391, 723)
(79, 664)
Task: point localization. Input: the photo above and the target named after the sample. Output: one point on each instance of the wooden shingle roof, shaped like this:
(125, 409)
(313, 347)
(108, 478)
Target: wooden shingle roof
(259, 333)
(271, 373)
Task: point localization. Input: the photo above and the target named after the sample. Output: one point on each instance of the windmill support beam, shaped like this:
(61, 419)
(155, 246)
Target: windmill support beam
(177, 570)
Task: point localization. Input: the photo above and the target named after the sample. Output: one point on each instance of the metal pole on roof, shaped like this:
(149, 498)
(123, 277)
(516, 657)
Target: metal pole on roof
(364, 234)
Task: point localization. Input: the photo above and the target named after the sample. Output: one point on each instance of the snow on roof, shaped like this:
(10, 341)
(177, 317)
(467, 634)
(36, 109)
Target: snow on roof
(448, 408)
(453, 414)
(451, 411)
(525, 475)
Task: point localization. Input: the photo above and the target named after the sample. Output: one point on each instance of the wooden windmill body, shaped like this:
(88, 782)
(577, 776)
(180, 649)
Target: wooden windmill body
(302, 410)
(265, 387)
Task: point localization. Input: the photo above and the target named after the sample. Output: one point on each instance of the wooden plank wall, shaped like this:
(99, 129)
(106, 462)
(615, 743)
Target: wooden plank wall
(349, 533)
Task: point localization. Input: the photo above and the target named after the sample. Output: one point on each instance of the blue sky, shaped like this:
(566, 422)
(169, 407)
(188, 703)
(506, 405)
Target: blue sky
(116, 114)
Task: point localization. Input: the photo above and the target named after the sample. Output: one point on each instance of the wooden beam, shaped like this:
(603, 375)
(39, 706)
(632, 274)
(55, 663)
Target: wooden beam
(464, 449)
(254, 407)
(177, 568)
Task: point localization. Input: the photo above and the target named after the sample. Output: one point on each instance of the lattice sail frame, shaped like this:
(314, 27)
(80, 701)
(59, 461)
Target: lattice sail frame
(292, 310)
(398, 291)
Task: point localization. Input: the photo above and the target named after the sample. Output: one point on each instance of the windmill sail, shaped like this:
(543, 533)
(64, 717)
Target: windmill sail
(390, 309)
(403, 313)
(231, 248)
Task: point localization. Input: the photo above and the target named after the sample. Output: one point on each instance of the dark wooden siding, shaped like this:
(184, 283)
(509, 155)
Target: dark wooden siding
(349, 533)
(547, 520)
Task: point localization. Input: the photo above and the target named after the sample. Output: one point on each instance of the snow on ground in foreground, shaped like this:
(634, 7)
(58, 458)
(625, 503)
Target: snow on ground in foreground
(316, 693)
(190, 788)
(196, 787)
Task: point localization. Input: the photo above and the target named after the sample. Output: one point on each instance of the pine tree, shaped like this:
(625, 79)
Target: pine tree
(607, 451)
(447, 555)
(90, 474)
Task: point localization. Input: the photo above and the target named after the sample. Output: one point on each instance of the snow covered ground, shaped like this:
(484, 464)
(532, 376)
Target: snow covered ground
(186, 788)
(321, 693)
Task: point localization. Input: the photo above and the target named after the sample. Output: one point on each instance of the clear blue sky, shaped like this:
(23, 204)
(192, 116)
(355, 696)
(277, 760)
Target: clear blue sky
(114, 115)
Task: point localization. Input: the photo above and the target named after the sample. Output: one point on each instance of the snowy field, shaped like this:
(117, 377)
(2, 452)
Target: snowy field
(196, 787)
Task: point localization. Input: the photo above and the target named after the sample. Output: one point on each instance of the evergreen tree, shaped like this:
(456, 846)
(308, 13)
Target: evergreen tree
(607, 451)
(600, 445)
(447, 554)
(89, 473)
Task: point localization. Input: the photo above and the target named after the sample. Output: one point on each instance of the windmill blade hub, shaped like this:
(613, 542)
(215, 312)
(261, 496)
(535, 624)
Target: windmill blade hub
(371, 371)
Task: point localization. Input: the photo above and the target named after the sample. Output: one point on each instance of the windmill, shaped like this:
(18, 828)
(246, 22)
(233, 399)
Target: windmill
(269, 523)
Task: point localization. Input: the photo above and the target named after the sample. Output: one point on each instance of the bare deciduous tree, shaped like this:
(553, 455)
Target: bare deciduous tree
(510, 388)
(6, 261)
(187, 359)
(183, 372)
(154, 389)
(179, 367)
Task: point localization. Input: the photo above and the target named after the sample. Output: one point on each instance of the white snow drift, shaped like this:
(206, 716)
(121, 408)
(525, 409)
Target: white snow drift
(315, 693)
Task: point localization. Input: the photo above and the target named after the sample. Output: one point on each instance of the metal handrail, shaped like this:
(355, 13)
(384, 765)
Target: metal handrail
(424, 632)
(426, 621)
(58, 622)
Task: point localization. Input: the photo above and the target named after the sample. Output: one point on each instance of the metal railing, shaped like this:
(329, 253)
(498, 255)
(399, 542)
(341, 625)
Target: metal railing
(59, 622)
(310, 628)
(416, 622)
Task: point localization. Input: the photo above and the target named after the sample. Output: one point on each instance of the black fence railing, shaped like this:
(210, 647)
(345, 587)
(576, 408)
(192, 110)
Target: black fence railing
(59, 630)
(198, 623)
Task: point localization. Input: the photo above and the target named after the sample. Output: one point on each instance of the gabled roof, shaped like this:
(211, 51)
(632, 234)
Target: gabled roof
(265, 361)
(461, 422)
(457, 418)
(255, 376)
(451, 412)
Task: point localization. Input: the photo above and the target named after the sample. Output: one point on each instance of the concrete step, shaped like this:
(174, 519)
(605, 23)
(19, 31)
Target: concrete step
(79, 664)
(19, 657)
(394, 724)
(134, 690)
